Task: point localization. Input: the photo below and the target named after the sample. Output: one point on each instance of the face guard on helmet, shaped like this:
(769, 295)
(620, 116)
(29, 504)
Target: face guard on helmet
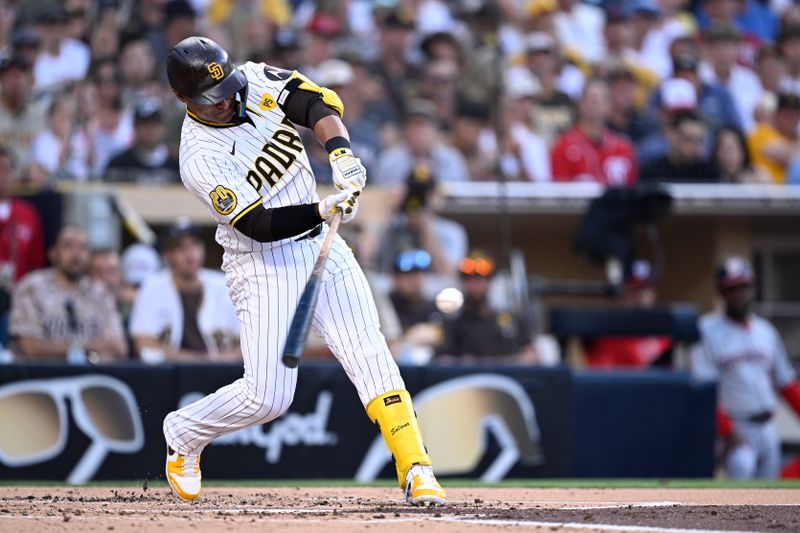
(200, 70)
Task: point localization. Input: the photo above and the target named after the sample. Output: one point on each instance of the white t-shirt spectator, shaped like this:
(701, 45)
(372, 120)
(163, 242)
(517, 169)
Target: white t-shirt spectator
(531, 159)
(71, 63)
(582, 31)
(744, 86)
(47, 152)
(158, 312)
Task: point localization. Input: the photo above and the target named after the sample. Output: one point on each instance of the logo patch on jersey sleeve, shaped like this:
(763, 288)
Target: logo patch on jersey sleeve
(215, 70)
(223, 200)
(267, 102)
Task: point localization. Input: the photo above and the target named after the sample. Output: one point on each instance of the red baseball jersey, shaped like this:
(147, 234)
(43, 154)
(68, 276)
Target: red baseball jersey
(21, 241)
(610, 162)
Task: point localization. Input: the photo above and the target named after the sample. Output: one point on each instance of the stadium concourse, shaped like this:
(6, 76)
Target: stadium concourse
(335, 509)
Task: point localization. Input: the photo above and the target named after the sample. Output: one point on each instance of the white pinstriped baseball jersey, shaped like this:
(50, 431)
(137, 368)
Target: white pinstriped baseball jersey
(233, 169)
(243, 166)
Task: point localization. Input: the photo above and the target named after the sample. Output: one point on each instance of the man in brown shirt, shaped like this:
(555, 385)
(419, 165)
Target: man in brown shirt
(59, 308)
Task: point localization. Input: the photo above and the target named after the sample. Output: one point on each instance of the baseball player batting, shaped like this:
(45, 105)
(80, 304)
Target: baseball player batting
(240, 154)
(745, 354)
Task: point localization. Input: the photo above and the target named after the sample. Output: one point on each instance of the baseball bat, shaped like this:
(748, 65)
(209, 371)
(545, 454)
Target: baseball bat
(298, 331)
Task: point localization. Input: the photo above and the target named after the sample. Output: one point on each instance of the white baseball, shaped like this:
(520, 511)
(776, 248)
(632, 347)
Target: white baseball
(449, 300)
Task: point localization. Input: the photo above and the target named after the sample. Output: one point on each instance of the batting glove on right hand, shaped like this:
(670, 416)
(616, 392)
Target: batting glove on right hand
(340, 200)
(348, 172)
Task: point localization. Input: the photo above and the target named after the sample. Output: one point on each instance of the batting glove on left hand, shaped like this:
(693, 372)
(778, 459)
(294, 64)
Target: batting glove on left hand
(345, 201)
(348, 172)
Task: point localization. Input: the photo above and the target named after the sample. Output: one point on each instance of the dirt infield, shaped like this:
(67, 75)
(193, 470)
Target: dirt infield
(333, 510)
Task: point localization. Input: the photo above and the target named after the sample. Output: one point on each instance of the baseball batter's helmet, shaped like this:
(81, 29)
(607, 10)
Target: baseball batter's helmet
(200, 69)
(734, 271)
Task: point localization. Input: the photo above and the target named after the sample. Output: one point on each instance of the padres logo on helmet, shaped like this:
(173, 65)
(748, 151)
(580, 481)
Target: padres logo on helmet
(471, 406)
(216, 71)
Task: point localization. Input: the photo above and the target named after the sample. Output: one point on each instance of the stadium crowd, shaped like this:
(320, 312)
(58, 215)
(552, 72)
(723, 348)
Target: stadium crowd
(618, 92)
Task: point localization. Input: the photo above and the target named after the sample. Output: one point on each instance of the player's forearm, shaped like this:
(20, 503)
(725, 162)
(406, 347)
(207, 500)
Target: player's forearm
(330, 127)
(268, 225)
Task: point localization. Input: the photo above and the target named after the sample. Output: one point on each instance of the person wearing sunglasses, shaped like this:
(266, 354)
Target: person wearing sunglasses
(479, 331)
(416, 312)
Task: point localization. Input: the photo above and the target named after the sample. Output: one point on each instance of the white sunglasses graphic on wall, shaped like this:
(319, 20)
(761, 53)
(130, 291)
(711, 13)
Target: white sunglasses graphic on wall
(33, 415)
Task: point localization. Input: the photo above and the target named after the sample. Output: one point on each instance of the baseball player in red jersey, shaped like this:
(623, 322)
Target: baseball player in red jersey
(241, 155)
(590, 151)
(745, 355)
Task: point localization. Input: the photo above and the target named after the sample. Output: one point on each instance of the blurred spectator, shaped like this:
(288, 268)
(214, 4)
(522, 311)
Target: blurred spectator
(555, 111)
(408, 299)
(639, 292)
(771, 69)
(21, 119)
(21, 244)
(139, 262)
(686, 161)
(731, 13)
(62, 58)
(184, 312)
(621, 57)
(714, 102)
(149, 159)
(625, 118)
(744, 353)
(63, 150)
(473, 137)
(60, 313)
(652, 35)
(417, 314)
(438, 85)
(721, 48)
(731, 159)
(105, 267)
(422, 145)
(477, 330)
(180, 22)
(789, 48)
(579, 26)
(552, 68)
(391, 65)
(112, 129)
(590, 151)
(416, 226)
(675, 95)
(524, 155)
(25, 43)
(773, 142)
(138, 69)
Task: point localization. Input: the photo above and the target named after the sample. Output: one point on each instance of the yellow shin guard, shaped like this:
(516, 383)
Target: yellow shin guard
(394, 414)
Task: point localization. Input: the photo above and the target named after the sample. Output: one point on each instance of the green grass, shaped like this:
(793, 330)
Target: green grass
(463, 483)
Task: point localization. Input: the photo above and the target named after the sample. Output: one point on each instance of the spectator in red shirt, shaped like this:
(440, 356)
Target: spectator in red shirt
(21, 242)
(590, 151)
(632, 352)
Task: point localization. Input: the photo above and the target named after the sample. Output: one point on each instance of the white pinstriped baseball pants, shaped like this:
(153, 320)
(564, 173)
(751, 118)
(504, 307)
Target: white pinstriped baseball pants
(265, 288)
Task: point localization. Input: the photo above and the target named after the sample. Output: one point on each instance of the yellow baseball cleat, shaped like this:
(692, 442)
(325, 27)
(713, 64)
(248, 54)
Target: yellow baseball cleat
(422, 487)
(183, 474)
